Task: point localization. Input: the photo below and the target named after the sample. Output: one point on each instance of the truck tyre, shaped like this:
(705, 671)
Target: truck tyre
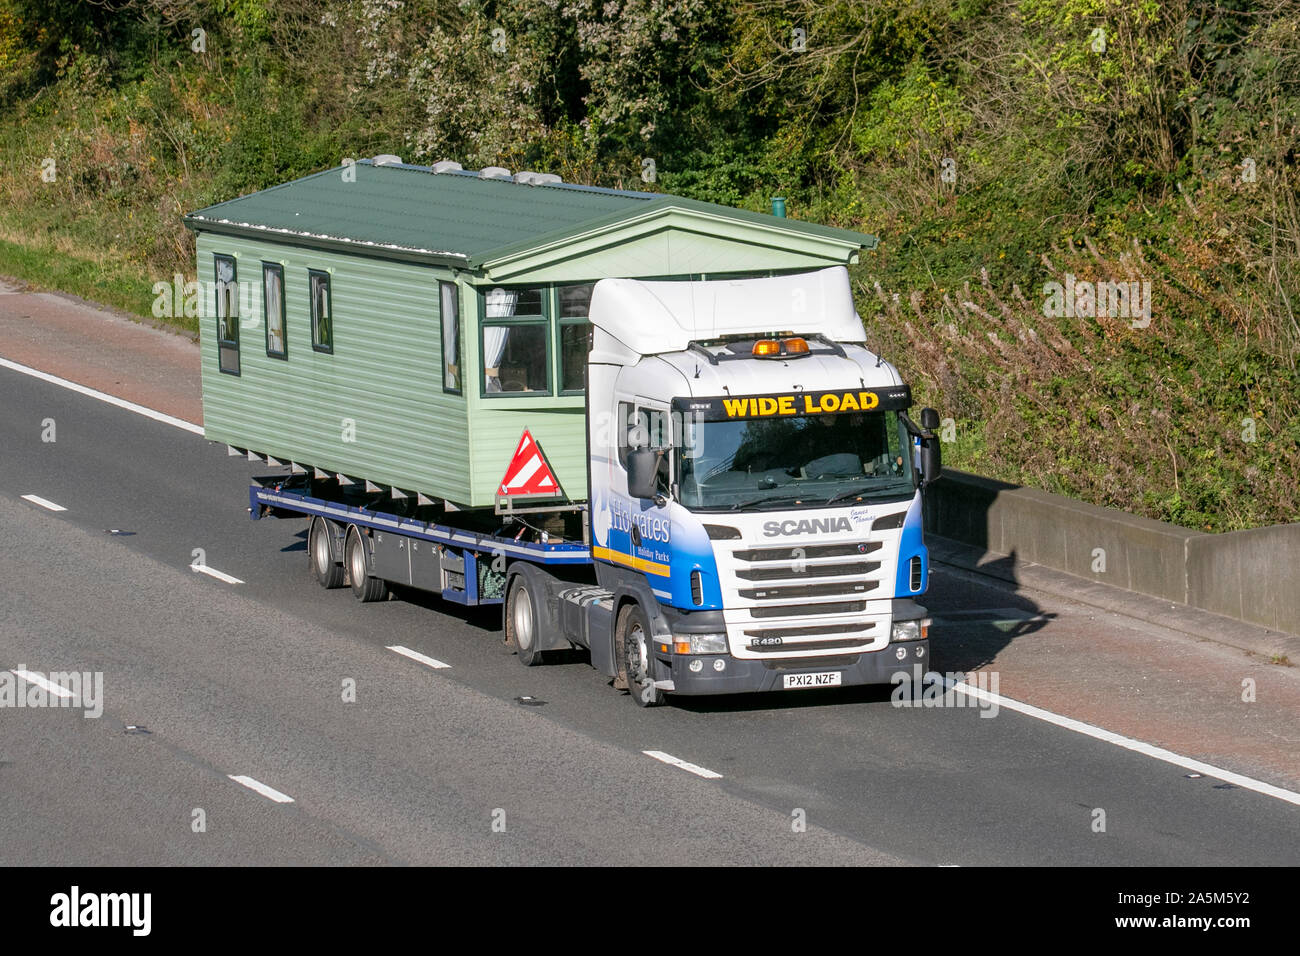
(364, 586)
(525, 617)
(633, 645)
(320, 555)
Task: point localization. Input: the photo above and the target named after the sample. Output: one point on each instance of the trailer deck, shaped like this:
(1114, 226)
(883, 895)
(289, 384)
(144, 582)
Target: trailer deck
(466, 566)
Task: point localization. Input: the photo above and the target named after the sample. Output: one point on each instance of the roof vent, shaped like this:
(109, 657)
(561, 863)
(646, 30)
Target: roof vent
(530, 178)
(493, 172)
(387, 159)
(446, 166)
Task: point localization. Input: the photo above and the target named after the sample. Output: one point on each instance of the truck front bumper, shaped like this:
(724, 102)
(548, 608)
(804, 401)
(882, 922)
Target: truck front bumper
(746, 676)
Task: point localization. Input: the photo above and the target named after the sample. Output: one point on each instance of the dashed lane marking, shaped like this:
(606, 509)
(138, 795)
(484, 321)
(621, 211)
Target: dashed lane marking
(44, 503)
(417, 656)
(214, 573)
(258, 787)
(682, 764)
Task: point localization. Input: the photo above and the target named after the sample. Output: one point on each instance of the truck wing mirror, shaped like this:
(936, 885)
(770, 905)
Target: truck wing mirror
(642, 467)
(931, 456)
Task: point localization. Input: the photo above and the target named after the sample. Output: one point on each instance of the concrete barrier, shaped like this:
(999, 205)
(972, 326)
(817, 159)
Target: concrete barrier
(1248, 575)
(1251, 575)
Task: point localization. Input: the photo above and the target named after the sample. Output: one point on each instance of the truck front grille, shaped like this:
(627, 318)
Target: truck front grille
(792, 591)
(846, 550)
(796, 570)
(827, 645)
(803, 601)
(793, 610)
(814, 630)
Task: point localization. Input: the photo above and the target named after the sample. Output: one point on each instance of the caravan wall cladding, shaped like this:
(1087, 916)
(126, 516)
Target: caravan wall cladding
(350, 373)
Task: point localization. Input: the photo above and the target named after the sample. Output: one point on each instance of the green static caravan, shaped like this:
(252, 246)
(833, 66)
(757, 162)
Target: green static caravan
(403, 325)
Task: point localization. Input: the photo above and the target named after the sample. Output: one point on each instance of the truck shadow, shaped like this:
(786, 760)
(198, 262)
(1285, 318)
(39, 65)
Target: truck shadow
(483, 618)
(299, 545)
(974, 620)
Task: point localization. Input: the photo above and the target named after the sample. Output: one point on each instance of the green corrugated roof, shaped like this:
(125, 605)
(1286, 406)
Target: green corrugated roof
(410, 212)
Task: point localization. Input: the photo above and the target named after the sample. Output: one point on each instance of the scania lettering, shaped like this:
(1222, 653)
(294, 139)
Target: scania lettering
(807, 526)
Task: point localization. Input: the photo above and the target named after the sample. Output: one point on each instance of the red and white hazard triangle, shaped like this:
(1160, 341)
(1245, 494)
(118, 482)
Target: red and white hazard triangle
(529, 473)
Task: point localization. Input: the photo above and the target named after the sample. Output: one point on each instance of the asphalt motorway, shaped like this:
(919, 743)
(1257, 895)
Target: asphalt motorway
(447, 765)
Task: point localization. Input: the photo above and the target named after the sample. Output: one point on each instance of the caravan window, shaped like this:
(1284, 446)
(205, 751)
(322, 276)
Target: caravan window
(322, 314)
(449, 308)
(227, 290)
(516, 341)
(273, 305)
(575, 336)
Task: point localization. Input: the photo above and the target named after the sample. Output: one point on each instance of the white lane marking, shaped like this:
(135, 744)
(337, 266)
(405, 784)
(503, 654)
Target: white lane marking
(258, 787)
(103, 397)
(1128, 743)
(678, 762)
(213, 572)
(43, 502)
(417, 656)
(40, 681)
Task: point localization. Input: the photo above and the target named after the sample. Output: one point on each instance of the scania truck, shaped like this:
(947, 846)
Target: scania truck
(753, 517)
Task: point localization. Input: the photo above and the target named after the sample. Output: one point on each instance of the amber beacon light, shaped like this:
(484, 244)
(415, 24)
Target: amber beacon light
(774, 348)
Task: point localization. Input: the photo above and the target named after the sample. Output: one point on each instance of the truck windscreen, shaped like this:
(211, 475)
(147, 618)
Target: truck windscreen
(796, 461)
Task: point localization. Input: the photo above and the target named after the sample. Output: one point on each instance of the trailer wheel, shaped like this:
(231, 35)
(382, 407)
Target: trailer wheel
(364, 586)
(634, 646)
(524, 619)
(320, 555)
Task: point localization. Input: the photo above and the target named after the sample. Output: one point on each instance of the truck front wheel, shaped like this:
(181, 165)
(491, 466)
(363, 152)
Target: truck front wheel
(634, 645)
(320, 553)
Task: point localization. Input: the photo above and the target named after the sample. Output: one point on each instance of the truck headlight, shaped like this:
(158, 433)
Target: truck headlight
(701, 643)
(914, 630)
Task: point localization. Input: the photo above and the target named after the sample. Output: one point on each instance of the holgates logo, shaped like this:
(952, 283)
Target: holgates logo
(103, 909)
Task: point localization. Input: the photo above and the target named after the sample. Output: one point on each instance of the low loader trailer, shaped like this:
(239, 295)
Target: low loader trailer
(752, 516)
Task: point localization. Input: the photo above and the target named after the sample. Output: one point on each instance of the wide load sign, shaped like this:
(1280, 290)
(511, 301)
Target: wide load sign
(791, 404)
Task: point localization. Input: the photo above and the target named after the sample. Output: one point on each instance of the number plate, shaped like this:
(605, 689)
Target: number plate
(800, 681)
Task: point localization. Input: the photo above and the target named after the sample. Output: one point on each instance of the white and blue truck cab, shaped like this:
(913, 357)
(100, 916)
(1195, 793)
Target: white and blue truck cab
(755, 486)
(753, 510)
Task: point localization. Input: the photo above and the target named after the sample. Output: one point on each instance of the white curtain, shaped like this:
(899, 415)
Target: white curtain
(274, 310)
(494, 348)
(501, 304)
(227, 299)
(450, 308)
